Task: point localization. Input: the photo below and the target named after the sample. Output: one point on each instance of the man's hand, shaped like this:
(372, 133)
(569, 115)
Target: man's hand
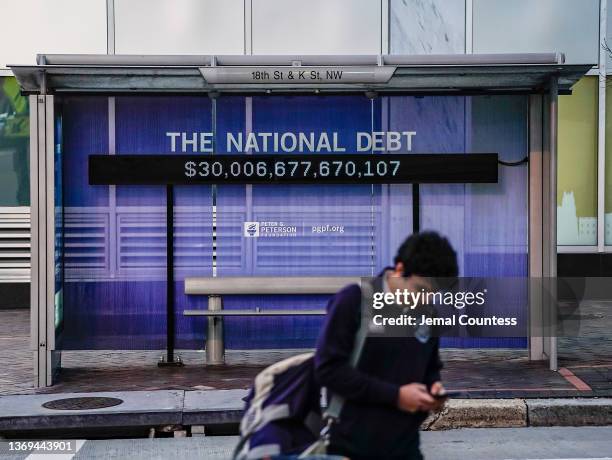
(438, 389)
(415, 397)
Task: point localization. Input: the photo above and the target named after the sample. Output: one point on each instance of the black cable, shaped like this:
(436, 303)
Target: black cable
(513, 163)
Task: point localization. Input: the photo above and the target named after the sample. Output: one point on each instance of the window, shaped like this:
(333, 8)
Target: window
(14, 145)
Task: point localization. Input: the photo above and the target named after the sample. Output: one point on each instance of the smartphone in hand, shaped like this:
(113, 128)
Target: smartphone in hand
(446, 395)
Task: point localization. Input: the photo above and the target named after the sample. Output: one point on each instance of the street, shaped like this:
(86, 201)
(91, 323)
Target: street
(473, 444)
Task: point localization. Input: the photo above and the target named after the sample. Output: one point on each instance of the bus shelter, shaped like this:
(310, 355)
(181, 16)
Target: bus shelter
(120, 232)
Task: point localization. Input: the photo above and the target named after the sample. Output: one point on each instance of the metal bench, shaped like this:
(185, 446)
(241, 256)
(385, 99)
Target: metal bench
(214, 288)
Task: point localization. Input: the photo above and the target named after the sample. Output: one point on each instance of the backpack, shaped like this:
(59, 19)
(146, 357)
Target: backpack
(283, 409)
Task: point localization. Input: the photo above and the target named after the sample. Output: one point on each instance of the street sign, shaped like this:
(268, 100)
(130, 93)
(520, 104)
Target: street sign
(297, 74)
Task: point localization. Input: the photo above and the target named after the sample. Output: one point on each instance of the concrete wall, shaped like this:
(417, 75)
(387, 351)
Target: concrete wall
(297, 26)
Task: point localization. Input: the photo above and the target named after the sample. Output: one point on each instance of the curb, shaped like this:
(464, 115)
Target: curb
(478, 413)
(220, 407)
(516, 413)
(569, 412)
(139, 409)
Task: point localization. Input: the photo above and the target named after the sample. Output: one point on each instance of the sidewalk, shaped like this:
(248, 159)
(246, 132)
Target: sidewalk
(586, 367)
(16, 366)
(476, 373)
(499, 387)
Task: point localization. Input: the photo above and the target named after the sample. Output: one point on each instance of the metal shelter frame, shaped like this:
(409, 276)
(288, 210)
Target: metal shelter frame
(543, 76)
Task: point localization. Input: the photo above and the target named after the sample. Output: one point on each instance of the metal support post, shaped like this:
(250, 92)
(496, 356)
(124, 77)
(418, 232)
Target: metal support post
(170, 360)
(215, 345)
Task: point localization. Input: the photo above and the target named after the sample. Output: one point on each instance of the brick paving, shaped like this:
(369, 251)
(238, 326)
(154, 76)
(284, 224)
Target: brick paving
(16, 359)
(477, 373)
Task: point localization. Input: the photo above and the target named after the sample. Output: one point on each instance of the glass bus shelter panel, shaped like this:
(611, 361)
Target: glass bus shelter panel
(58, 246)
(232, 115)
(314, 229)
(301, 230)
(497, 233)
(439, 124)
(86, 218)
(149, 125)
(486, 223)
(115, 237)
(496, 237)
(492, 240)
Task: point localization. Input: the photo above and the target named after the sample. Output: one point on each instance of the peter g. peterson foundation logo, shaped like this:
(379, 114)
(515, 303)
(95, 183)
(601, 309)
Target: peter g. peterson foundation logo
(269, 230)
(251, 229)
(275, 229)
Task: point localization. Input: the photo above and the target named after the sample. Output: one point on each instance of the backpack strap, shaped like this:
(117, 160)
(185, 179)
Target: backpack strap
(336, 401)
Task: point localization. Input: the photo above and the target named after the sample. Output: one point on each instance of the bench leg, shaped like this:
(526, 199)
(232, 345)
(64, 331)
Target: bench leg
(215, 344)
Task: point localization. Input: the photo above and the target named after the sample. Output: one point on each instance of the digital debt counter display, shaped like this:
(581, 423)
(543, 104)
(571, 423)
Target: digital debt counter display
(318, 168)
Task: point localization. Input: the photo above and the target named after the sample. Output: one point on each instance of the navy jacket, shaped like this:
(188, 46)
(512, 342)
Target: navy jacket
(370, 422)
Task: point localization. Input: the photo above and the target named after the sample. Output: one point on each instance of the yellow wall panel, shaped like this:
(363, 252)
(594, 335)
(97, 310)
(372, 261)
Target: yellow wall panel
(577, 165)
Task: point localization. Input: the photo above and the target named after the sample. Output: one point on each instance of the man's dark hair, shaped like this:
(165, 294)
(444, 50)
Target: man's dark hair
(428, 254)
